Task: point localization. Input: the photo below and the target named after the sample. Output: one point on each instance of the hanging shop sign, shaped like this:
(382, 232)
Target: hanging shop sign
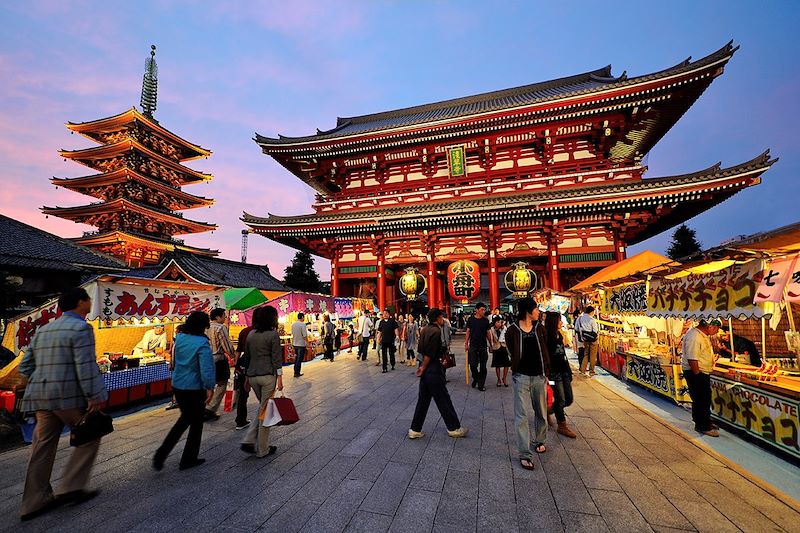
(457, 161)
(464, 280)
(117, 304)
(520, 280)
(625, 299)
(769, 417)
(26, 326)
(412, 283)
(728, 292)
(783, 273)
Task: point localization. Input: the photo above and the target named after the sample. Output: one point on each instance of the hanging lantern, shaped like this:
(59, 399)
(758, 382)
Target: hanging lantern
(464, 280)
(412, 284)
(520, 280)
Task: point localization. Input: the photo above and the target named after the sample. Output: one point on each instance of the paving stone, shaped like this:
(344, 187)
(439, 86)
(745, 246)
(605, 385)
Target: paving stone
(497, 515)
(618, 511)
(703, 516)
(579, 522)
(459, 501)
(417, 512)
(387, 492)
(338, 510)
(733, 508)
(364, 522)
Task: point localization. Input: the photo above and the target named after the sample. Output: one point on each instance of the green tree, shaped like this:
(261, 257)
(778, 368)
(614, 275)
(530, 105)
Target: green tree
(300, 275)
(684, 243)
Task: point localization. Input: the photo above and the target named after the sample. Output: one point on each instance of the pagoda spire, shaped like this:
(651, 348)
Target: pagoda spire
(150, 84)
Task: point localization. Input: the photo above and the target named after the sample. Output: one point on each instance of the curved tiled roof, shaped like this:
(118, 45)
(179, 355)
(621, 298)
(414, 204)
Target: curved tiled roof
(580, 84)
(24, 246)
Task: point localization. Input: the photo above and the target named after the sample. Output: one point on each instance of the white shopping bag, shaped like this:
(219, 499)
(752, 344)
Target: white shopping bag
(272, 416)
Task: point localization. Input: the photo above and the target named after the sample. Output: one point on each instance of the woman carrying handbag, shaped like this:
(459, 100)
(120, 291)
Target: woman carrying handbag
(560, 372)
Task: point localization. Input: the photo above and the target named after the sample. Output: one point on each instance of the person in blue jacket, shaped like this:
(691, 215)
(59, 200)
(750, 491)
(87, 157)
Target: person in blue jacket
(192, 380)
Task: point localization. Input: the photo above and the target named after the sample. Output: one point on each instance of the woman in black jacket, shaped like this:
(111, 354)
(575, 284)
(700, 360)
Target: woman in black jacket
(560, 371)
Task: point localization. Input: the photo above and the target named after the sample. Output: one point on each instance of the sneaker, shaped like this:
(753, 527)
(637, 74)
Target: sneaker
(210, 416)
(242, 426)
(458, 433)
(711, 433)
(171, 405)
(415, 434)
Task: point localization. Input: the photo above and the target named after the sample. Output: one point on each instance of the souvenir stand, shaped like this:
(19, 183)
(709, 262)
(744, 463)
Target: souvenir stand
(123, 310)
(313, 306)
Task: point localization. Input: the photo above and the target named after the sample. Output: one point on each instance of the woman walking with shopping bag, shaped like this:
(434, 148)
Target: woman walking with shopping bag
(265, 359)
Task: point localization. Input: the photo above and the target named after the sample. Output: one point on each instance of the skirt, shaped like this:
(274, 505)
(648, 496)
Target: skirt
(500, 358)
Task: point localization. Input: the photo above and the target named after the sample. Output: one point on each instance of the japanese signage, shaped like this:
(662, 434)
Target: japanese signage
(624, 299)
(25, 327)
(457, 161)
(294, 302)
(664, 379)
(728, 292)
(781, 274)
(768, 417)
(464, 280)
(123, 304)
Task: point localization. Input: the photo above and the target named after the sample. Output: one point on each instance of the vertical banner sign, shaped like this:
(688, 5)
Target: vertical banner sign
(464, 280)
(457, 161)
(776, 276)
(630, 299)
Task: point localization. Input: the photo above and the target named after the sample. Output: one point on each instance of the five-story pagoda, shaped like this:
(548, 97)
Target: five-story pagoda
(139, 183)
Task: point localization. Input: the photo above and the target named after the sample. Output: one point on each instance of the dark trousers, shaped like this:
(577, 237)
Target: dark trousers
(243, 390)
(562, 396)
(388, 350)
(192, 404)
(581, 355)
(477, 364)
(700, 391)
(299, 355)
(329, 350)
(363, 348)
(432, 385)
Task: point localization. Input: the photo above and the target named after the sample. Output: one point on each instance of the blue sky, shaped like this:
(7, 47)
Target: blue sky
(229, 69)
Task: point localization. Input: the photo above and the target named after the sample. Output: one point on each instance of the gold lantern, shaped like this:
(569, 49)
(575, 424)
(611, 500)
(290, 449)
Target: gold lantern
(520, 280)
(412, 283)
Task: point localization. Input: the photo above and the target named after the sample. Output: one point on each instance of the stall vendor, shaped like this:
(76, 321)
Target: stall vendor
(740, 345)
(153, 339)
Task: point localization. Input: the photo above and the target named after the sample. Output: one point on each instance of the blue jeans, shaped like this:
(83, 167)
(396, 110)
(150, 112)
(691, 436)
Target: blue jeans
(529, 391)
(299, 355)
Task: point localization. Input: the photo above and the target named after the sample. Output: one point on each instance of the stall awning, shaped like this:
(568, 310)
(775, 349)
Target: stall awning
(240, 299)
(644, 261)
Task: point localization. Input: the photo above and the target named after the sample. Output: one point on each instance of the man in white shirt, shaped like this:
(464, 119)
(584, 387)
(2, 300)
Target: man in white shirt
(300, 342)
(365, 330)
(586, 331)
(152, 340)
(697, 363)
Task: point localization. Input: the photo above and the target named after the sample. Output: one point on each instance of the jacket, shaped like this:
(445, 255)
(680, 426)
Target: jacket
(514, 345)
(61, 367)
(265, 353)
(194, 364)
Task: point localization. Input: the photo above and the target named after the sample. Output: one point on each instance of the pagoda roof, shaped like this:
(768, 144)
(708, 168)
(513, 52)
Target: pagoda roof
(112, 150)
(693, 192)
(214, 271)
(111, 237)
(117, 122)
(567, 91)
(24, 246)
(124, 204)
(126, 174)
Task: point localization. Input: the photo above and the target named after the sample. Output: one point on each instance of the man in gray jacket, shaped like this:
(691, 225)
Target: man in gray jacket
(63, 382)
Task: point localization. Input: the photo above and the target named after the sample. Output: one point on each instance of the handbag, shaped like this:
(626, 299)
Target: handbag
(92, 426)
(448, 360)
(550, 397)
(587, 336)
(280, 411)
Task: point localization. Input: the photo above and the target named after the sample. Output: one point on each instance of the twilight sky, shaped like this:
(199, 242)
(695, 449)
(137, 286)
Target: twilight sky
(229, 69)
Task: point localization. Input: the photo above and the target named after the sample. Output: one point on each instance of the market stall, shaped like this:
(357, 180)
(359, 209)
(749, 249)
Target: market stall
(126, 314)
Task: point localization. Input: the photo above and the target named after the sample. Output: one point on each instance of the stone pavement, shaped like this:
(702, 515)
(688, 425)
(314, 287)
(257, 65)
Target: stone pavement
(348, 466)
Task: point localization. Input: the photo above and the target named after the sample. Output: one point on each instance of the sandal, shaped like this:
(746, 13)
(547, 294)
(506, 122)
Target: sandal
(498, 383)
(540, 449)
(527, 464)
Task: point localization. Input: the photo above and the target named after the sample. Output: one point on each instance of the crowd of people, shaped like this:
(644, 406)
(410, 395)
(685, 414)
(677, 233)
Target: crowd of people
(64, 381)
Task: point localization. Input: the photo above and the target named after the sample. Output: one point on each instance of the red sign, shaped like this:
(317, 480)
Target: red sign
(464, 280)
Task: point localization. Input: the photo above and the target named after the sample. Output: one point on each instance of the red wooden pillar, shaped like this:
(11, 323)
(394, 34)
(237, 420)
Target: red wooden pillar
(553, 267)
(432, 281)
(381, 281)
(619, 248)
(334, 278)
(494, 285)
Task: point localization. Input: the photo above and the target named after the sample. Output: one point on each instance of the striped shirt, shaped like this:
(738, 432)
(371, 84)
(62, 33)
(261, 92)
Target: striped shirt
(220, 341)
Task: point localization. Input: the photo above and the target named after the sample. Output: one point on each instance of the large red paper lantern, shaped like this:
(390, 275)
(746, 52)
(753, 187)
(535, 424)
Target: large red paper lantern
(464, 280)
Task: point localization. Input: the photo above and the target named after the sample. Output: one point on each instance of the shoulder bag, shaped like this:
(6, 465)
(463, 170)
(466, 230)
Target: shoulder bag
(92, 426)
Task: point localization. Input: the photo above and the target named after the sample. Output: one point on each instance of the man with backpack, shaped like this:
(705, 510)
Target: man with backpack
(586, 332)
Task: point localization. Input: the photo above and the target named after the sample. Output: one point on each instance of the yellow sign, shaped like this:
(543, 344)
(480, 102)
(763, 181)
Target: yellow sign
(728, 292)
(624, 299)
(769, 417)
(666, 380)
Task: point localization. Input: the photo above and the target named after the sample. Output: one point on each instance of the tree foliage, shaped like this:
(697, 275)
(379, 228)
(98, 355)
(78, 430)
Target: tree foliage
(684, 243)
(300, 275)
